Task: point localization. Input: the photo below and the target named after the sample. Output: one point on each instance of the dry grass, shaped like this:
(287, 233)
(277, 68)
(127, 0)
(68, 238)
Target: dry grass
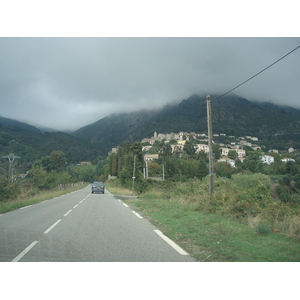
(116, 190)
(24, 199)
(290, 226)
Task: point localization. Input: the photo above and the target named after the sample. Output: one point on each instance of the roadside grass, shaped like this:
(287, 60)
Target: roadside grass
(24, 199)
(118, 190)
(212, 237)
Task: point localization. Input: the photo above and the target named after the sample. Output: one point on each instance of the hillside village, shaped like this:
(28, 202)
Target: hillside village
(236, 143)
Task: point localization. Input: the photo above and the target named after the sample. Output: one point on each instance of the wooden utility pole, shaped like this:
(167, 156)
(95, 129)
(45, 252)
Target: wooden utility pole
(147, 169)
(133, 175)
(211, 163)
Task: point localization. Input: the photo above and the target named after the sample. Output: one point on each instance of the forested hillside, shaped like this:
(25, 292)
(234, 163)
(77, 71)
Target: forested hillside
(32, 145)
(274, 125)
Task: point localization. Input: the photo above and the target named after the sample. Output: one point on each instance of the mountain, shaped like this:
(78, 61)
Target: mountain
(231, 114)
(6, 122)
(31, 144)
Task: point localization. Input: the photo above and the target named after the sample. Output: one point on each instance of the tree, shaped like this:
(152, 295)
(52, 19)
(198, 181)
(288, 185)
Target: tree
(216, 151)
(189, 148)
(154, 169)
(55, 162)
(232, 154)
(59, 160)
(113, 164)
(165, 150)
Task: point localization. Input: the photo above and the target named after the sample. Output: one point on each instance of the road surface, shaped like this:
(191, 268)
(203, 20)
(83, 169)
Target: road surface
(86, 227)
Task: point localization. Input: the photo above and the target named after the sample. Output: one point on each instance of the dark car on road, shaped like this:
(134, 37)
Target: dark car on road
(98, 187)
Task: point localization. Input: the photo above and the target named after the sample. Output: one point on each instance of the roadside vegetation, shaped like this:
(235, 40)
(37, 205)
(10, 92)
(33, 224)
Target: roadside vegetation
(48, 177)
(25, 198)
(224, 228)
(253, 215)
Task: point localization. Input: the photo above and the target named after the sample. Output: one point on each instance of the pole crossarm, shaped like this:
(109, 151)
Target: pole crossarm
(11, 157)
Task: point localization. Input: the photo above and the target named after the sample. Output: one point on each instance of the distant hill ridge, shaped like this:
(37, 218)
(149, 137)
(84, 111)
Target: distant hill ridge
(232, 115)
(31, 144)
(275, 126)
(6, 122)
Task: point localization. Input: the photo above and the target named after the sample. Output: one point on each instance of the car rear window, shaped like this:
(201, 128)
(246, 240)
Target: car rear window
(98, 184)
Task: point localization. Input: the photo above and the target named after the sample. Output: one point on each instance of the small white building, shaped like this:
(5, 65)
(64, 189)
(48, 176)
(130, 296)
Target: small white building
(229, 161)
(291, 150)
(241, 153)
(202, 147)
(177, 147)
(150, 157)
(146, 148)
(267, 159)
(225, 151)
(286, 159)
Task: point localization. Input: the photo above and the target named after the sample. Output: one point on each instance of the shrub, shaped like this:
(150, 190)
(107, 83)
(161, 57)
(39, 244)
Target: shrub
(141, 186)
(8, 190)
(263, 229)
(284, 193)
(252, 180)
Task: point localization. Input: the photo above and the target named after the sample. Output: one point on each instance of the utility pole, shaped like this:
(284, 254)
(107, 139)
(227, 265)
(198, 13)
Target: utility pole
(211, 166)
(163, 171)
(11, 157)
(133, 175)
(147, 173)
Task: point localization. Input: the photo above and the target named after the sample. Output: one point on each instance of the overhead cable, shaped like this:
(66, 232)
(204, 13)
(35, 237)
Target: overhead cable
(256, 74)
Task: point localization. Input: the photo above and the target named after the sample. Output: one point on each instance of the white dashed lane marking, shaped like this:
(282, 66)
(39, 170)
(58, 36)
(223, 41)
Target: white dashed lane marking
(25, 251)
(51, 227)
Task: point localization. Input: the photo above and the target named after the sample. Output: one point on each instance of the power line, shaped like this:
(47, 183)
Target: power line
(256, 74)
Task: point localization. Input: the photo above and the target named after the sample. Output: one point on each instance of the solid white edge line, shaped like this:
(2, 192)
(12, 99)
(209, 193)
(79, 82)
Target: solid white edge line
(67, 213)
(26, 206)
(139, 216)
(106, 191)
(171, 243)
(51, 227)
(24, 251)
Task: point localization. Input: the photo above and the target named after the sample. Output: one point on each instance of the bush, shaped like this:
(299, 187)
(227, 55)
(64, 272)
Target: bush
(252, 180)
(263, 229)
(8, 190)
(142, 186)
(285, 194)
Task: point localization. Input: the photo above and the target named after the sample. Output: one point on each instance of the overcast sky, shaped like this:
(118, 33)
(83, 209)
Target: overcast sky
(66, 83)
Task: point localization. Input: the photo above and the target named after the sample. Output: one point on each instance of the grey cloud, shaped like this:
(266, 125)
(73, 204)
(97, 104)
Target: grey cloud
(66, 83)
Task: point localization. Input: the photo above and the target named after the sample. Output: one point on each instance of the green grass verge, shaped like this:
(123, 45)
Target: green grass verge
(41, 196)
(117, 190)
(212, 237)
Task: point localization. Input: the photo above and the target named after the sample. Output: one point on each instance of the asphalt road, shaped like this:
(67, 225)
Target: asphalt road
(86, 227)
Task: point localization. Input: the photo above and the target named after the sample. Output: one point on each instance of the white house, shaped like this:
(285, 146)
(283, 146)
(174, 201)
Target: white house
(267, 159)
(241, 153)
(229, 161)
(150, 157)
(225, 151)
(291, 150)
(177, 147)
(202, 147)
(146, 148)
(286, 159)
